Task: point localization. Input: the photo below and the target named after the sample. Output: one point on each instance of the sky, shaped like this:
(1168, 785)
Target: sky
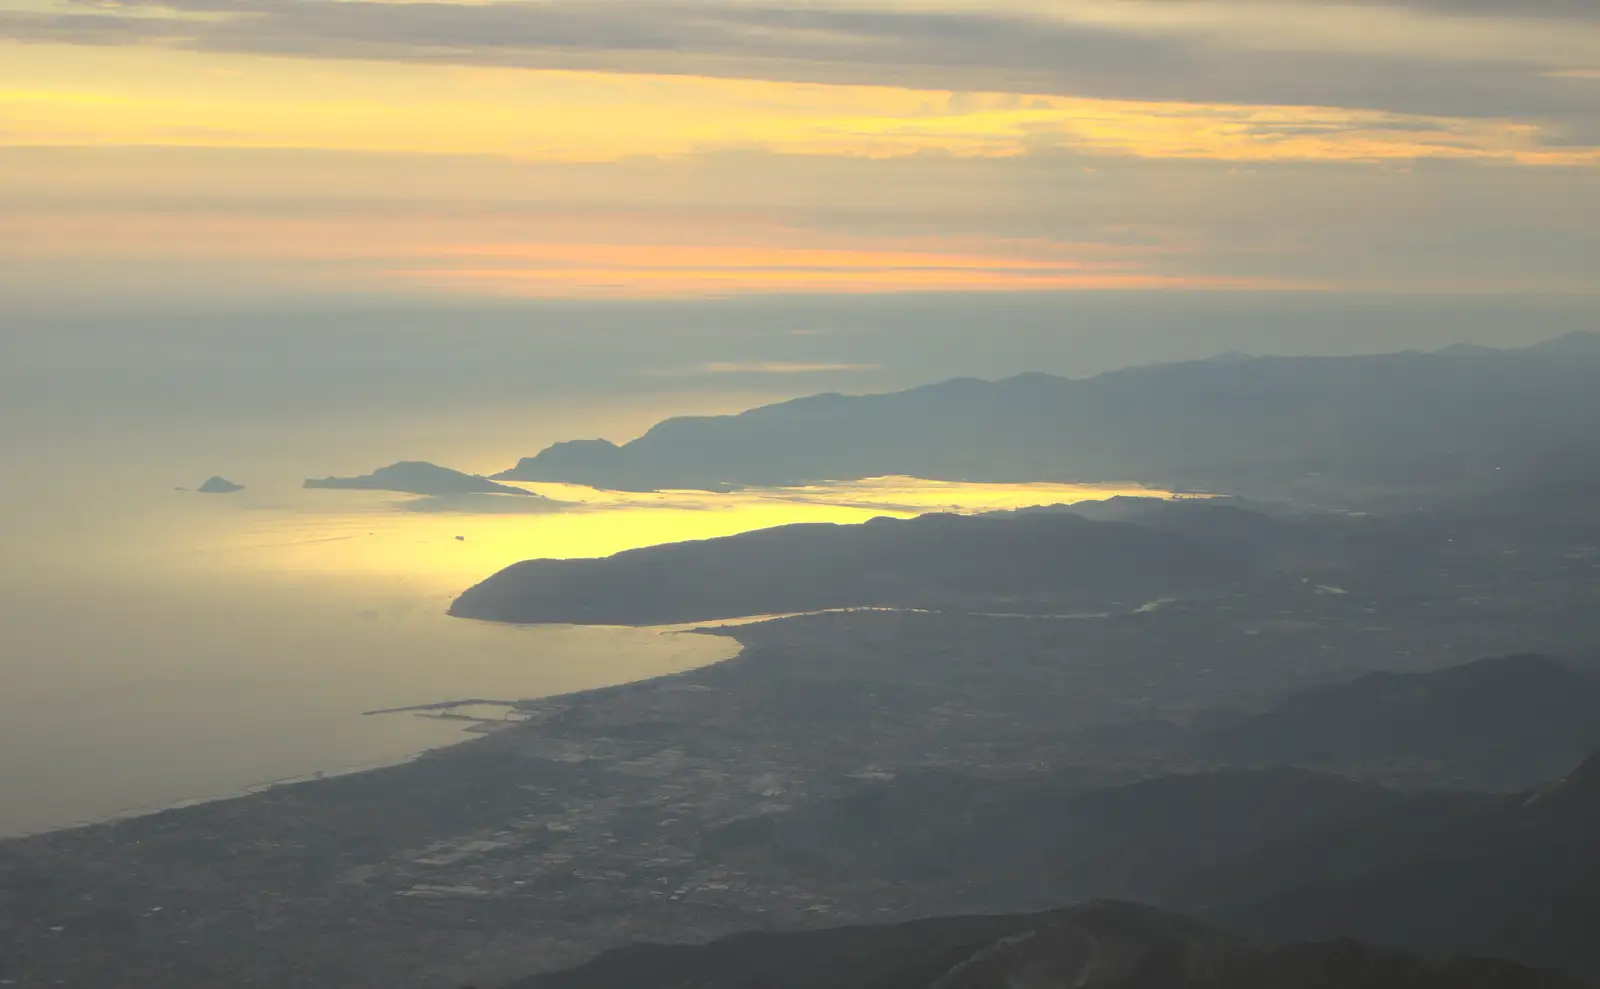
(1331, 174)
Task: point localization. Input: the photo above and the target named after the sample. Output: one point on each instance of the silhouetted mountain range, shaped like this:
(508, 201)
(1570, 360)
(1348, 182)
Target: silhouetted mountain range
(1105, 945)
(1054, 838)
(1576, 343)
(1066, 835)
(1283, 855)
(1235, 517)
(418, 477)
(1501, 723)
(1584, 343)
(926, 562)
(1412, 422)
(1518, 878)
(1286, 854)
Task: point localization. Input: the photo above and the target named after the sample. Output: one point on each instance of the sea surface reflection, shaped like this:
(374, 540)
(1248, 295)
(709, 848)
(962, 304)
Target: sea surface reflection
(164, 646)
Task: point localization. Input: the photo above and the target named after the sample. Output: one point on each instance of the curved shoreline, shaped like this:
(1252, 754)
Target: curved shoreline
(257, 788)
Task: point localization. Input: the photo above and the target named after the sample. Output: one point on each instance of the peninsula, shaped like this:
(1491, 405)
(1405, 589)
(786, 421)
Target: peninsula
(419, 477)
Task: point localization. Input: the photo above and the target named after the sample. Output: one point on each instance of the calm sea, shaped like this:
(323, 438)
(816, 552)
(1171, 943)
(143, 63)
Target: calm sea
(160, 646)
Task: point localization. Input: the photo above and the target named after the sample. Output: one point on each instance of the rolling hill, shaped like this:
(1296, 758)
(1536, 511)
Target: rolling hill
(1027, 563)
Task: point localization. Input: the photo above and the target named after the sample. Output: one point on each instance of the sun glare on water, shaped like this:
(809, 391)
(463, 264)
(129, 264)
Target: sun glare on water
(452, 543)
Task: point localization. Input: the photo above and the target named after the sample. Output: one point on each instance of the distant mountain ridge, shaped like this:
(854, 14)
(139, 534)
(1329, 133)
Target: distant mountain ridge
(1245, 424)
(1578, 342)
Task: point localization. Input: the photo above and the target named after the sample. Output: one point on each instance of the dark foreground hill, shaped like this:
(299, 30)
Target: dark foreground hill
(1282, 857)
(1044, 839)
(1063, 836)
(1435, 423)
(1503, 723)
(1032, 563)
(1519, 877)
(1104, 945)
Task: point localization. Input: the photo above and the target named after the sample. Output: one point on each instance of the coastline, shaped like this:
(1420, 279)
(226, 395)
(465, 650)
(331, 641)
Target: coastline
(240, 793)
(467, 737)
(586, 827)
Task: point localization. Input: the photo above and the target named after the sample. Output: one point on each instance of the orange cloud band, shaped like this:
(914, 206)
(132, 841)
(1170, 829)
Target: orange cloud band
(656, 282)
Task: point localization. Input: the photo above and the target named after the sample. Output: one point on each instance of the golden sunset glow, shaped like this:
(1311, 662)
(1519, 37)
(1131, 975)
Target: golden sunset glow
(532, 148)
(675, 269)
(858, 274)
(55, 95)
(340, 533)
(621, 255)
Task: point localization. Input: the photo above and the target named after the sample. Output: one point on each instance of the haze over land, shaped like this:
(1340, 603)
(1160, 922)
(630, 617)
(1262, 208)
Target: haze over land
(880, 494)
(1037, 673)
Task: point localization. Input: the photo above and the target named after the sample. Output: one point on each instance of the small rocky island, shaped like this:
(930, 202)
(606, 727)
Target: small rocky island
(219, 485)
(419, 477)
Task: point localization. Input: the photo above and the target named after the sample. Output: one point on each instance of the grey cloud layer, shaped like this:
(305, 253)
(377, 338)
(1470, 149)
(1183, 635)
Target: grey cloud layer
(1436, 226)
(944, 49)
(1491, 8)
